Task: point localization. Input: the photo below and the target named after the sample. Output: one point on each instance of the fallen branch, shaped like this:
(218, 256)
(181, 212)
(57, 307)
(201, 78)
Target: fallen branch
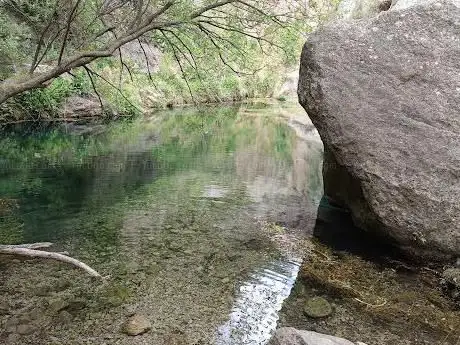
(38, 245)
(33, 253)
(371, 305)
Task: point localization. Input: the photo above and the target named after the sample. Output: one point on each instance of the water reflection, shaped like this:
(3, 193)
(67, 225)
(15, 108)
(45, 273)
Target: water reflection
(179, 210)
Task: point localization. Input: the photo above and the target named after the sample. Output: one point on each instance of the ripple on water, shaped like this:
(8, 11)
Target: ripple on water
(254, 315)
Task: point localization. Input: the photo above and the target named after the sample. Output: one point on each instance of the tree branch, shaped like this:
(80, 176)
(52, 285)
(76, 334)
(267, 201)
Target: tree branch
(32, 253)
(70, 19)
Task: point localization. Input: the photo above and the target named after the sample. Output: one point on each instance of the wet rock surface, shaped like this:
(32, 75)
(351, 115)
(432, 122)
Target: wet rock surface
(292, 336)
(384, 96)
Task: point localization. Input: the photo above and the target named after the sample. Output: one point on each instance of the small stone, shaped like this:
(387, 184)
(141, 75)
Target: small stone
(131, 310)
(133, 267)
(254, 244)
(42, 290)
(317, 307)
(65, 317)
(225, 280)
(57, 305)
(136, 325)
(62, 285)
(175, 247)
(13, 338)
(4, 308)
(11, 324)
(25, 329)
(76, 305)
(35, 313)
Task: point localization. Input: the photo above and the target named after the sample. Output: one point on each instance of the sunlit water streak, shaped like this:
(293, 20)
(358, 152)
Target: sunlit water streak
(254, 315)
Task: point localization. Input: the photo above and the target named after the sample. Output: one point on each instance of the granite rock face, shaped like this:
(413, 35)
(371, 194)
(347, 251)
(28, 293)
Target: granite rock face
(384, 94)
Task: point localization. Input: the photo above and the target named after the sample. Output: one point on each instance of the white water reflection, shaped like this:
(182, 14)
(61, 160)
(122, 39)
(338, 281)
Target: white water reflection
(254, 315)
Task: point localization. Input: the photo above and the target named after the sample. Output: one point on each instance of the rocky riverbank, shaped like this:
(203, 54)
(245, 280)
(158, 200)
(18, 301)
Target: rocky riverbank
(379, 303)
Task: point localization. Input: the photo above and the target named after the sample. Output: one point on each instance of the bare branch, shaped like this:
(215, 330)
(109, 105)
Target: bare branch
(174, 47)
(88, 72)
(70, 19)
(49, 255)
(115, 87)
(33, 65)
(147, 62)
(211, 7)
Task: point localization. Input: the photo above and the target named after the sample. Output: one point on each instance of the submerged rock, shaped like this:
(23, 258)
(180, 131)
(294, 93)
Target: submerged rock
(136, 325)
(4, 308)
(25, 329)
(384, 94)
(56, 305)
(317, 307)
(292, 336)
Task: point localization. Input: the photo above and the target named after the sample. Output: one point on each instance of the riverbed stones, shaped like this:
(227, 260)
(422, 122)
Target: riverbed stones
(384, 94)
(136, 325)
(4, 308)
(317, 307)
(56, 305)
(292, 336)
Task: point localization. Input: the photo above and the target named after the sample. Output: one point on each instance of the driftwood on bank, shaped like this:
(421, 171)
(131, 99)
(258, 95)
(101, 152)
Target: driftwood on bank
(31, 250)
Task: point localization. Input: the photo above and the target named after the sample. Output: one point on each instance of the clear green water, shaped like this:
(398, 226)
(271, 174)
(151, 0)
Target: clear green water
(197, 215)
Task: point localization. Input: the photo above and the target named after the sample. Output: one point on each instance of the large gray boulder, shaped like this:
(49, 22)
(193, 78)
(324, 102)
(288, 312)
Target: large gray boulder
(403, 4)
(293, 336)
(384, 94)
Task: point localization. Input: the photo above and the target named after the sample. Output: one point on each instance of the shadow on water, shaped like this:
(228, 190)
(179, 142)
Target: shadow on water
(335, 228)
(196, 214)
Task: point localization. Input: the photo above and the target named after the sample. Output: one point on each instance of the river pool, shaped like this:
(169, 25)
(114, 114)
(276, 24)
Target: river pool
(197, 215)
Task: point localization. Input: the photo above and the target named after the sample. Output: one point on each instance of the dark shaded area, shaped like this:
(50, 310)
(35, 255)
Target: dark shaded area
(385, 5)
(335, 228)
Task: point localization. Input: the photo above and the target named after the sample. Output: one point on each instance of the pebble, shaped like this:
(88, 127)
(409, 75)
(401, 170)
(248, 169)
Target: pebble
(65, 317)
(317, 307)
(57, 305)
(25, 329)
(4, 308)
(136, 325)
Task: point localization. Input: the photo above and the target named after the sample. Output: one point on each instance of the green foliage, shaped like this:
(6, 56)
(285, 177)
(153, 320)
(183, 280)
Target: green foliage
(47, 100)
(218, 58)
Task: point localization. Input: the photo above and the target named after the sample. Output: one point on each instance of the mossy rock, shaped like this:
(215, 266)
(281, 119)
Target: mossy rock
(317, 307)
